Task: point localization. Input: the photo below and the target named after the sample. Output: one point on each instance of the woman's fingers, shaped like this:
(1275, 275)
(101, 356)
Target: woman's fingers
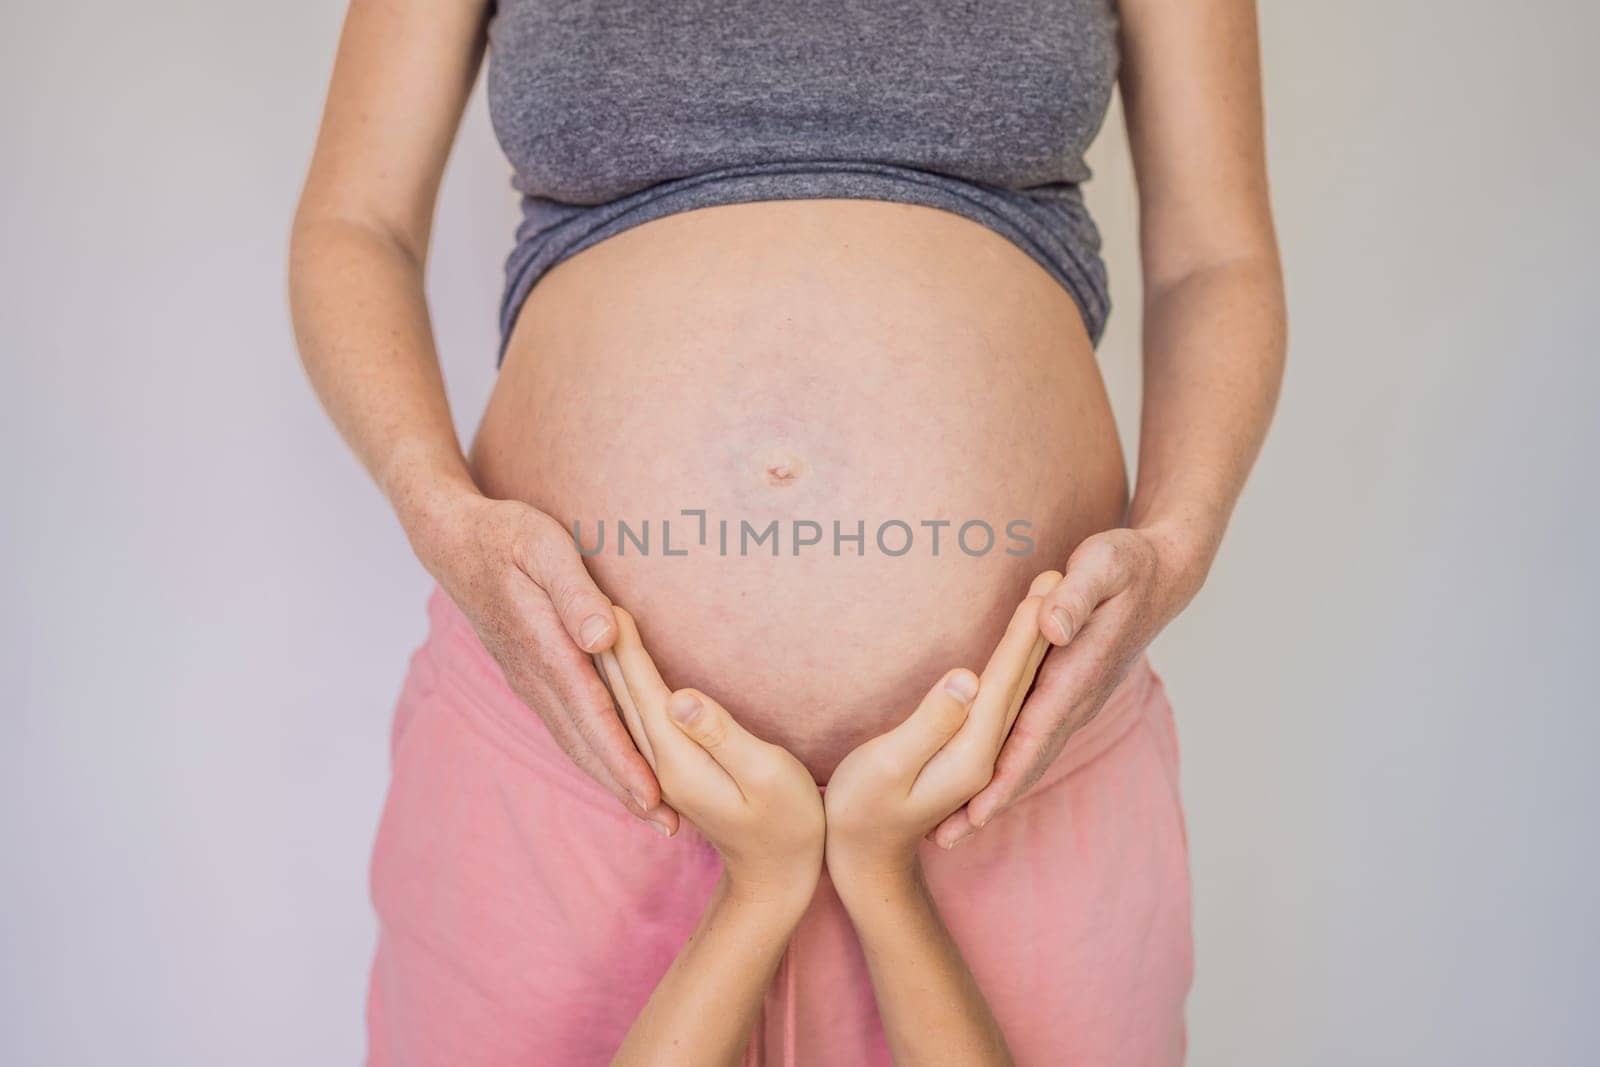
(925, 731)
(1073, 688)
(1100, 568)
(546, 554)
(560, 681)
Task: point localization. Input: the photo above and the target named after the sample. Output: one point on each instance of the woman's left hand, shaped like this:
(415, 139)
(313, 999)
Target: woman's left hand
(1121, 587)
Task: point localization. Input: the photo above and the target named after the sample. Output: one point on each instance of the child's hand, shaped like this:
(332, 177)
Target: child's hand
(895, 788)
(754, 801)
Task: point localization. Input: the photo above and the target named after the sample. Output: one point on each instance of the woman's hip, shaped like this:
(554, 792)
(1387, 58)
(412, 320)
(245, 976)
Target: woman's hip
(525, 916)
(522, 912)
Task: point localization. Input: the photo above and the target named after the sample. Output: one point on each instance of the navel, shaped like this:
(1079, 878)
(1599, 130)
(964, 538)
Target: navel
(782, 467)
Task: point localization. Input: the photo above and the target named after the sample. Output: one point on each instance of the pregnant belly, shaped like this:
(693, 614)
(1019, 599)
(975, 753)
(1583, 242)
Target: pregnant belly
(818, 448)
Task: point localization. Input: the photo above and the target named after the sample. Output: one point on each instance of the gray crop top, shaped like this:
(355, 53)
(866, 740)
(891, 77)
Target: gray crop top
(614, 113)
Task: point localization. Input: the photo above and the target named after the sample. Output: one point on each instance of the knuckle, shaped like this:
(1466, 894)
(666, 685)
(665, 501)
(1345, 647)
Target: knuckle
(1025, 736)
(711, 730)
(1083, 606)
(972, 776)
(526, 675)
(1024, 784)
(582, 758)
(1108, 553)
(525, 545)
(1142, 551)
(1098, 554)
(585, 718)
(1060, 731)
(509, 584)
(539, 543)
(582, 726)
(567, 597)
(1073, 598)
(947, 716)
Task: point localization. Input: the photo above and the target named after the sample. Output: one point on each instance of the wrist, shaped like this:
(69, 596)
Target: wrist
(868, 876)
(774, 905)
(421, 477)
(1185, 547)
(434, 509)
(877, 896)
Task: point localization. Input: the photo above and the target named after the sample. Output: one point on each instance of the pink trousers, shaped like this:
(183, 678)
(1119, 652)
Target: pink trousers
(525, 917)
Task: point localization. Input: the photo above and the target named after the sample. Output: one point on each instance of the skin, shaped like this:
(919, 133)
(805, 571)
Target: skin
(853, 343)
(1214, 349)
(360, 239)
(1214, 338)
(1214, 341)
(884, 797)
(760, 809)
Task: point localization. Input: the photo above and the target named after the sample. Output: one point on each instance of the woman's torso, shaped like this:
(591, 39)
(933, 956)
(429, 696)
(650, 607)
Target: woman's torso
(802, 358)
(595, 99)
(817, 361)
(614, 113)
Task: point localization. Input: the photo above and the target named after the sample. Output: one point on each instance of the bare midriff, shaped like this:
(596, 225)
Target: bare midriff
(806, 415)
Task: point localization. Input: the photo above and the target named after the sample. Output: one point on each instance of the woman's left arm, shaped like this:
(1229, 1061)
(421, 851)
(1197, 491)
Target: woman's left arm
(1214, 340)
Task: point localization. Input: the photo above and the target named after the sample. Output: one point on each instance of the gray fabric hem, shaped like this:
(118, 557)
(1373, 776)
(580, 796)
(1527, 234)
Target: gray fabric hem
(1050, 224)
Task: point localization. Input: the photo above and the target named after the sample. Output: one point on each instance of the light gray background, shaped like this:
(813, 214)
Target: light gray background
(1386, 693)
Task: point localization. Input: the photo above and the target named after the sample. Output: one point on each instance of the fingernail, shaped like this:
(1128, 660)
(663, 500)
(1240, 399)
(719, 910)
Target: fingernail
(1064, 621)
(660, 829)
(638, 802)
(962, 685)
(593, 631)
(684, 707)
(956, 840)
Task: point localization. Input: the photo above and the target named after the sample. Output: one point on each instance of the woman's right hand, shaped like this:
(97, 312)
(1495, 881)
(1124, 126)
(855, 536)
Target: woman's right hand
(517, 576)
(753, 800)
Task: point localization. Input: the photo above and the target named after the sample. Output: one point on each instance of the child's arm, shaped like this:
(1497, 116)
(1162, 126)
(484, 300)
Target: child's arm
(881, 801)
(760, 808)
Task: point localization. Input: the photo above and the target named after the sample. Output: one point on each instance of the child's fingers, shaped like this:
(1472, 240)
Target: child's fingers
(611, 673)
(640, 679)
(925, 731)
(997, 688)
(744, 756)
(669, 749)
(1040, 587)
(1045, 582)
(1024, 682)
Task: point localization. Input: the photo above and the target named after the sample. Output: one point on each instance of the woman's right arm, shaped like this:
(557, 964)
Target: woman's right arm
(402, 77)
